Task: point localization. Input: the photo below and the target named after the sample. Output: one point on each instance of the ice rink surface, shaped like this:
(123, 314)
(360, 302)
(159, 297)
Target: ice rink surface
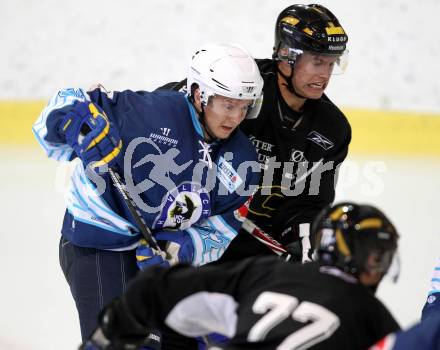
(37, 311)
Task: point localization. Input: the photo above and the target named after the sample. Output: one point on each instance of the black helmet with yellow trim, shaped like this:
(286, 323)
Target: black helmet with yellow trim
(355, 238)
(310, 28)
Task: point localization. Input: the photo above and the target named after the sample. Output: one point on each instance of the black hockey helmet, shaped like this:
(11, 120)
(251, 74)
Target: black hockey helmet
(355, 238)
(310, 28)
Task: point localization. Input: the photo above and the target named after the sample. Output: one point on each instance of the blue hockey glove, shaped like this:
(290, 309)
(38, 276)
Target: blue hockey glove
(178, 249)
(89, 132)
(147, 256)
(179, 246)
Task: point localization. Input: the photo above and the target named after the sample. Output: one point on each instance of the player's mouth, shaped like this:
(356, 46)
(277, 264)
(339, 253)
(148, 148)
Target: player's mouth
(227, 129)
(318, 86)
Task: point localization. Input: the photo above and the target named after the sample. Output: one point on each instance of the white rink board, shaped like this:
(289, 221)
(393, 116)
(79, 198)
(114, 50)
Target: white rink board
(46, 45)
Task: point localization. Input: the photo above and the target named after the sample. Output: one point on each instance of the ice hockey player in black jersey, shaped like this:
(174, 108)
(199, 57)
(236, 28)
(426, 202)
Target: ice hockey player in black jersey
(266, 303)
(300, 135)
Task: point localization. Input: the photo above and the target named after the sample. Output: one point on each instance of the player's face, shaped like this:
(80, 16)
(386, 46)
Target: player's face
(312, 73)
(224, 114)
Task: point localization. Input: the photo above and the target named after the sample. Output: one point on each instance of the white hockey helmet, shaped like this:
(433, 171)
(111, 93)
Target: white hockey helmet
(226, 70)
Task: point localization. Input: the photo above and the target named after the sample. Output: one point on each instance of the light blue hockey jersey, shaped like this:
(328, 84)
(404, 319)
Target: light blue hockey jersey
(177, 180)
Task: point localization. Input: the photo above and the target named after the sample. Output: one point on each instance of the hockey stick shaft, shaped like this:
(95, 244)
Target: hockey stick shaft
(133, 208)
(265, 238)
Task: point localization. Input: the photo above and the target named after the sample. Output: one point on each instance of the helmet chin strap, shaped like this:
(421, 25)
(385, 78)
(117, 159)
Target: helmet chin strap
(211, 137)
(202, 120)
(288, 82)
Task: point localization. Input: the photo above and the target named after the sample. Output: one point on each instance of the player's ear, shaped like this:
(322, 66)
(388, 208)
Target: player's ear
(371, 275)
(370, 278)
(197, 100)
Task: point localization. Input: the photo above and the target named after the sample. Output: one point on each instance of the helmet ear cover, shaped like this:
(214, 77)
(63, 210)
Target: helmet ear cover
(355, 238)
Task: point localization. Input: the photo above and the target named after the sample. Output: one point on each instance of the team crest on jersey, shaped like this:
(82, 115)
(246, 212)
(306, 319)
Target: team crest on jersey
(297, 156)
(320, 140)
(183, 206)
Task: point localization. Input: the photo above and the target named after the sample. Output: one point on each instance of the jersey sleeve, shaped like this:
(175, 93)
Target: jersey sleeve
(432, 304)
(212, 236)
(424, 335)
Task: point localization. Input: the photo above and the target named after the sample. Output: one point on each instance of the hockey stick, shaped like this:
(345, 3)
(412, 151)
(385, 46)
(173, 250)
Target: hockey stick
(117, 182)
(146, 232)
(266, 239)
(133, 208)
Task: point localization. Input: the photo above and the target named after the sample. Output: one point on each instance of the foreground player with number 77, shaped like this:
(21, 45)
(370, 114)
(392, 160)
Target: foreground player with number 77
(267, 303)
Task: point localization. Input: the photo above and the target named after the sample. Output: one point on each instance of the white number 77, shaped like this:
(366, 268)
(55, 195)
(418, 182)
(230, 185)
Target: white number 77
(279, 306)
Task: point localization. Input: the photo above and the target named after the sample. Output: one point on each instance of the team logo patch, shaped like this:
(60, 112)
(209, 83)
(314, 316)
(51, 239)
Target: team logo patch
(320, 140)
(228, 176)
(297, 156)
(183, 206)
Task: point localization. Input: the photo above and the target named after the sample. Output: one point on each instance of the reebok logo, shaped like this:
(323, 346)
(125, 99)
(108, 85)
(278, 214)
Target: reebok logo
(320, 140)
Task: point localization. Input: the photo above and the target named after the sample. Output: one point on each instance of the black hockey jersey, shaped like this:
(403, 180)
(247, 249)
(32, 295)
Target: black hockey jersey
(303, 156)
(261, 303)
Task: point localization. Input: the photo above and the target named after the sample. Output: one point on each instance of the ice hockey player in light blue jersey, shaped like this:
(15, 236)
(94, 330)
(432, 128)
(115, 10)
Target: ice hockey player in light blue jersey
(424, 335)
(186, 164)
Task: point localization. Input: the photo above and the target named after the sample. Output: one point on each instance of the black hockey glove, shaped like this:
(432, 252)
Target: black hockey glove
(118, 330)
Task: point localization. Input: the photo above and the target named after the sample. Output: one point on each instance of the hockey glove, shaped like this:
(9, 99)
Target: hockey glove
(178, 249)
(117, 330)
(89, 132)
(300, 249)
(147, 256)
